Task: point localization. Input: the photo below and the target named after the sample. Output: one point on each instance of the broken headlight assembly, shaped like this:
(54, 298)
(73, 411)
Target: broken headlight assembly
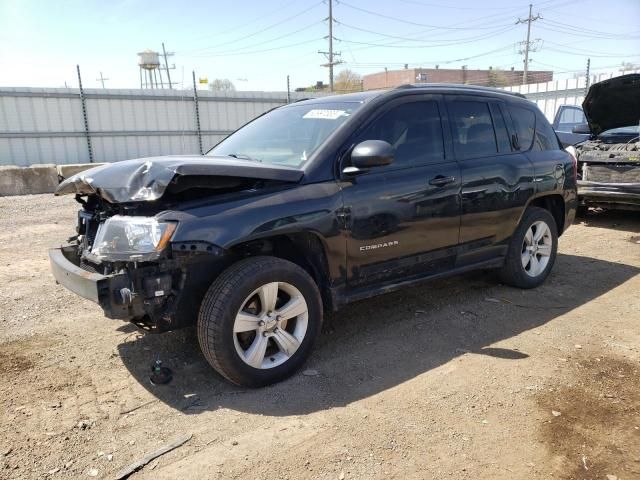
(131, 239)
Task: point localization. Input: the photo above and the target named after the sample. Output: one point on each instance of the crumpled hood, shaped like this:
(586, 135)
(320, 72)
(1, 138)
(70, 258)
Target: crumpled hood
(147, 179)
(613, 103)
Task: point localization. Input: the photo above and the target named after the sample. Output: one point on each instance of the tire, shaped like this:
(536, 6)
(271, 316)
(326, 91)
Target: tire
(239, 330)
(516, 271)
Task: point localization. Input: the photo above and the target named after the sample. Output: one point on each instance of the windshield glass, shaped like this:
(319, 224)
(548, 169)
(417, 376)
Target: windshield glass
(633, 129)
(288, 135)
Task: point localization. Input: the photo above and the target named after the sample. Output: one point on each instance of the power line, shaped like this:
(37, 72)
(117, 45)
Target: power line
(438, 62)
(587, 52)
(281, 47)
(254, 45)
(598, 55)
(447, 44)
(435, 5)
(408, 22)
(269, 27)
(469, 25)
(408, 39)
(585, 32)
(250, 22)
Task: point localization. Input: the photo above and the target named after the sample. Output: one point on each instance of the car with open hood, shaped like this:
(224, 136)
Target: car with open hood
(315, 205)
(609, 160)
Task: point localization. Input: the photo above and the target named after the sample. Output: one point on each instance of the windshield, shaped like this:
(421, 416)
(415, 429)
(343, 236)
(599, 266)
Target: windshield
(631, 130)
(287, 135)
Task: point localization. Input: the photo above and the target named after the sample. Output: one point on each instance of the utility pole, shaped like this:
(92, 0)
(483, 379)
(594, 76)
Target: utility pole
(166, 64)
(586, 84)
(527, 44)
(101, 79)
(330, 54)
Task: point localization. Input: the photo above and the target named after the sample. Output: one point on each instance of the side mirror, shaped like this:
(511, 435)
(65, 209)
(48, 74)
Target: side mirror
(370, 153)
(581, 128)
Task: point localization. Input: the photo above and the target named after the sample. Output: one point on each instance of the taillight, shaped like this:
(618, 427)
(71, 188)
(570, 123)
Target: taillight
(574, 155)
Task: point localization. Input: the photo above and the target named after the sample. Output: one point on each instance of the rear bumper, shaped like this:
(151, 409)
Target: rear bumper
(105, 290)
(619, 195)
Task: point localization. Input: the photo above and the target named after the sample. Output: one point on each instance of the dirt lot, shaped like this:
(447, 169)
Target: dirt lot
(461, 378)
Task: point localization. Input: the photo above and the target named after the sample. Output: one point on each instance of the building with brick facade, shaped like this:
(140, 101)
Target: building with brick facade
(490, 78)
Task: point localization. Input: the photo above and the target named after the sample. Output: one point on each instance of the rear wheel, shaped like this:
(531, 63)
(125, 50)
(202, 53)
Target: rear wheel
(532, 250)
(258, 321)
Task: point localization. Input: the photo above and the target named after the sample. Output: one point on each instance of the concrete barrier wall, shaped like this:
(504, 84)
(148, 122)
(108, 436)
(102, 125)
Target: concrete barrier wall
(37, 178)
(28, 180)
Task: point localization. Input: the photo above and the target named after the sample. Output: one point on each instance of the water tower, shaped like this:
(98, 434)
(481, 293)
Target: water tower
(149, 63)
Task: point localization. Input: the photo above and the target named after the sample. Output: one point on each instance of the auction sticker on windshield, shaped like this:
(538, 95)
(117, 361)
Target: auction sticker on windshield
(325, 114)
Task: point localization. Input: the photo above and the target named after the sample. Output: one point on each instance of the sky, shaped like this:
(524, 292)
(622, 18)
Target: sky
(256, 44)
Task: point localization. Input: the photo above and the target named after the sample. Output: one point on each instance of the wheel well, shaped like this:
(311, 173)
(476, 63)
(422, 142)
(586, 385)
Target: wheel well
(304, 249)
(555, 205)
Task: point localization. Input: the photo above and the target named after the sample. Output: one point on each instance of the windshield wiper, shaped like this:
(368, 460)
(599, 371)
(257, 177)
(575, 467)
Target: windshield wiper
(241, 156)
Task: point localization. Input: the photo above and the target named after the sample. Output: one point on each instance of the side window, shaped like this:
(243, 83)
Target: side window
(524, 121)
(502, 135)
(570, 117)
(473, 134)
(413, 129)
(545, 138)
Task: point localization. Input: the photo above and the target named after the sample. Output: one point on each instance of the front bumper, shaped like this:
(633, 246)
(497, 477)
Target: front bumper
(157, 296)
(615, 195)
(105, 290)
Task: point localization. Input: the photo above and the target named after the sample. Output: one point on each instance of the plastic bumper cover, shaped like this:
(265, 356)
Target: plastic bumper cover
(105, 290)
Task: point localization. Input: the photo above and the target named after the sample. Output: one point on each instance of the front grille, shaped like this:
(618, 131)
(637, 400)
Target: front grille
(91, 267)
(612, 173)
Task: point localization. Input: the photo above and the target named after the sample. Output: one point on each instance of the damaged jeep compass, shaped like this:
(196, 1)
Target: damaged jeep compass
(314, 205)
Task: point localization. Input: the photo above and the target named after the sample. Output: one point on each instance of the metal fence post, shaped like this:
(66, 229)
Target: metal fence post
(288, 90)
(84, 115)
(195, 101)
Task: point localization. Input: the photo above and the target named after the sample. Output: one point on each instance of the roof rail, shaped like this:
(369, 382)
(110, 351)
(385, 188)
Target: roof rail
(404, 86)
(468, 86)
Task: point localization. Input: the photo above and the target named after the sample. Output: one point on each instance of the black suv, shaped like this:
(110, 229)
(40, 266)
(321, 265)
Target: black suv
(314, 205)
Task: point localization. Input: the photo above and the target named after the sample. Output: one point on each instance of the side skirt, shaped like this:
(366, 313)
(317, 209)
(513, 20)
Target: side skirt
(342, 296)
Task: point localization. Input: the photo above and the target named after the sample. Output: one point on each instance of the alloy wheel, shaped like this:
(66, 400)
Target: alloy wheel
(270, 325)
(536, 248)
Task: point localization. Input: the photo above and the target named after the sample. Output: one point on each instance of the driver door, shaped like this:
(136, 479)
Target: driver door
(403, 219)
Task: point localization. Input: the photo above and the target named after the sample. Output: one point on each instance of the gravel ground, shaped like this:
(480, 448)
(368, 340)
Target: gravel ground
(460, 378)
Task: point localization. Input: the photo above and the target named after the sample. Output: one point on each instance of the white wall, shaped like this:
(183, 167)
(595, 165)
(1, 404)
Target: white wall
(550, 95)
(39, 125)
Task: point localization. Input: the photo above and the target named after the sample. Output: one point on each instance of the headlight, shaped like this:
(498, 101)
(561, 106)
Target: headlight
(122, 238)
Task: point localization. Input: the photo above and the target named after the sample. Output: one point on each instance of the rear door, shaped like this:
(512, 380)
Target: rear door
(497, 180)
(403, 219)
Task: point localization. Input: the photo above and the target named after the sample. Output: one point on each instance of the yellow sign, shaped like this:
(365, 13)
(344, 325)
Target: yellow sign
(204, 80)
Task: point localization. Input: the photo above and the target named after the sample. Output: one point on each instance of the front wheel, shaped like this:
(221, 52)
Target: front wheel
(258, 321)
(532, 250)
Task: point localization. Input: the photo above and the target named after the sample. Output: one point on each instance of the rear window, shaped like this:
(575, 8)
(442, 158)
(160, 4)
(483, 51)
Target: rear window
(524, 121)
(473, 133)
(545, 138)
(569, 118)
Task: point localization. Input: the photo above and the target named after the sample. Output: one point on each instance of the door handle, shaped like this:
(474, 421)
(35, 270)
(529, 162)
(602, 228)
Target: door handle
(441, 181)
